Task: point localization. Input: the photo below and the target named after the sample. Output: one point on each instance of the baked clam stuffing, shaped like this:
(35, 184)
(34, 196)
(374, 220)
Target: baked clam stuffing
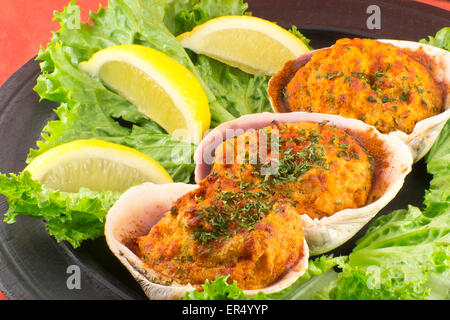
(385, 86)
(244, 218)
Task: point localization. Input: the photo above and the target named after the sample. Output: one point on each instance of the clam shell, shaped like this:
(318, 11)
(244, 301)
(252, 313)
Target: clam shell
(134, 214)
(426, 131)
(327, 233)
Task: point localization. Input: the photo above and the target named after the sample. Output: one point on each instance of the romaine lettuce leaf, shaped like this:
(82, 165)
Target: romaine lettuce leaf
(97, 109)
(90, 110)
(317, 283)
(122, 22)
(401, 254)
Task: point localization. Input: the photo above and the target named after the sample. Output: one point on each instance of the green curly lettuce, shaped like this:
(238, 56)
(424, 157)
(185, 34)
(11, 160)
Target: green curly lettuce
(73, 217)
(294, 30)
(184, 15)
(398, 257)
(437, 197)
(218, 289)
(441, 40)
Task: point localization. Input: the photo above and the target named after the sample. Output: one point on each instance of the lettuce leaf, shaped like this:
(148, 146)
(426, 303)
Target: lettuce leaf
(218, 289)
(184, 15)
(241, 92)
(317, 283)
(437, 198)
(441, 40)
(294, 30)
(90, 110)
(397, 257)
(439, 151)
(73, 217)
(131, 22)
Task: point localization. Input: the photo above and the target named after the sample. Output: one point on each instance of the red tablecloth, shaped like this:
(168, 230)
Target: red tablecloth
(25, 25)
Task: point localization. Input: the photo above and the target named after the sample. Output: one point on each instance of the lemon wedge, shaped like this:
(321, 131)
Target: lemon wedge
(97, 165)
(254, 45)
(160, 87)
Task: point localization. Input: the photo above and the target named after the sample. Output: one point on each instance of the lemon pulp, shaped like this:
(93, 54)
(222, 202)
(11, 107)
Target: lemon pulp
(131, 82)
(97, 165)
(252, 44)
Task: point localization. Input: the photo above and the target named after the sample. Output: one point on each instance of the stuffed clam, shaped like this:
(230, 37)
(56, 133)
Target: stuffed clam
(399, 87)
(336, 173)
(174, 237)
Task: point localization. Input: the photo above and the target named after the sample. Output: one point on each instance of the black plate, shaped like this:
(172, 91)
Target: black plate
(34, 266)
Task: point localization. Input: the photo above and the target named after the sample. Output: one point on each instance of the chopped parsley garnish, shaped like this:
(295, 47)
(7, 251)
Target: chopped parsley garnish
(379, 74)
(385, 99)
(371, 99)
(233, 210)
(244, 204)
(419, 90)
(333, 75)
(404, 96)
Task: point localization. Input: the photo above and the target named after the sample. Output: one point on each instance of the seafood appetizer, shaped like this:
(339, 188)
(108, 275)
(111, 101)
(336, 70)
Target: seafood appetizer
(399, 87)
(173, 237)
(336, 173)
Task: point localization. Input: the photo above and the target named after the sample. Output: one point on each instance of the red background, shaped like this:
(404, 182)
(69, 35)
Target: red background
(25, 25)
